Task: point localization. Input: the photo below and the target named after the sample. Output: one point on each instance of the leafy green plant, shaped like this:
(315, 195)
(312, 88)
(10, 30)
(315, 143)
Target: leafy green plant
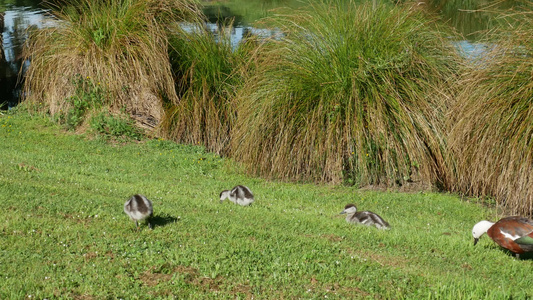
(115, 126)
(348, 92)
(87, 95)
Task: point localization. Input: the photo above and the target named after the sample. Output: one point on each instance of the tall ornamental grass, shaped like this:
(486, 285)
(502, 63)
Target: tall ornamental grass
(348, 93)
(207, 71)
(117, 47)
(492, 124)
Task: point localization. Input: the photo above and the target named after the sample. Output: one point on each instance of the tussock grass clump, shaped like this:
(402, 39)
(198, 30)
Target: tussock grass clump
(121, 46)
(493, 122)
(207, 72)
(348, 93)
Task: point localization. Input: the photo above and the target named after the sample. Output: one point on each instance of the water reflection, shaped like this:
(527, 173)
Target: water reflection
(14, 22)
(240, 33)
(245, 12)
(472, 18)
(223, 15)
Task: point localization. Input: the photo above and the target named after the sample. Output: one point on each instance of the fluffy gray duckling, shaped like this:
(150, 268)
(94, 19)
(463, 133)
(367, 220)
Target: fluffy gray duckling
(139, 208)
(240, 194)
(364, 217)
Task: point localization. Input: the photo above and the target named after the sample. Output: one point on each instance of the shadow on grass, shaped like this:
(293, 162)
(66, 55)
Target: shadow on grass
(162, 220)
(523, 256)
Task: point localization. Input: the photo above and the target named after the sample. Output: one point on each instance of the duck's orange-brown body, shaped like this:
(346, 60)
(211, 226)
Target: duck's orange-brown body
(513, 233)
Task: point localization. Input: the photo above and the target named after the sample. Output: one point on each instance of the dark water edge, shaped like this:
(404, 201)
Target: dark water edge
(15, 18)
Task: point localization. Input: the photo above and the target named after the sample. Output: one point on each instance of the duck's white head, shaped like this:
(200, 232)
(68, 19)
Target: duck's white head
(480, 229)
(349, 209)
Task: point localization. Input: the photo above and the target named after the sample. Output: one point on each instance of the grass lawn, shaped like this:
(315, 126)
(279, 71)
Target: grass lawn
(63, 232)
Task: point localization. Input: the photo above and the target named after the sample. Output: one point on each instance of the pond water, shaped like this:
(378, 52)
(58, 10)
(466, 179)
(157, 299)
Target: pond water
(17, 15)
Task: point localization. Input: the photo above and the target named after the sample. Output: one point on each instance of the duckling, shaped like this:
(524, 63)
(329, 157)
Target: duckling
(364, 217)
(240, 194)
(138, 208)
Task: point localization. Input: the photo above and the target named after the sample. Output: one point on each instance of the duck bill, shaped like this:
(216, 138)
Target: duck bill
(342, 212)
(475, 241)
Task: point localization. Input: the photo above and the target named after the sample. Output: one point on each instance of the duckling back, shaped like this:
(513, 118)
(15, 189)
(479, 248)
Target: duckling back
(370, 219)
(138, 208)
(240, 194)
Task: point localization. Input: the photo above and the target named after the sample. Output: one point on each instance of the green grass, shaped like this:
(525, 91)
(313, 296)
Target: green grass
(63, 232)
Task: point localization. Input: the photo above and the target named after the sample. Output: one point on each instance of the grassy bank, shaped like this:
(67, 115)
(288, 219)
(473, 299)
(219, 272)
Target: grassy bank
(63, 231)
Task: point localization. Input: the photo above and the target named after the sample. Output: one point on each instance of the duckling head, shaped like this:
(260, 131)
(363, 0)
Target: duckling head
(349, 209)
(224, 195)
